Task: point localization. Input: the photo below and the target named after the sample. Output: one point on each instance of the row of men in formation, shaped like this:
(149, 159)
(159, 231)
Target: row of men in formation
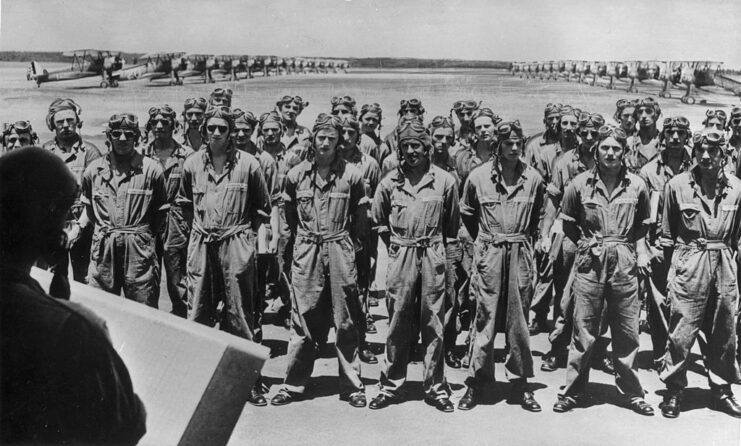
(481, 227)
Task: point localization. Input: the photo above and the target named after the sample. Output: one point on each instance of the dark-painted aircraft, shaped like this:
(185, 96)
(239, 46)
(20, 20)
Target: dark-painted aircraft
(85, 63)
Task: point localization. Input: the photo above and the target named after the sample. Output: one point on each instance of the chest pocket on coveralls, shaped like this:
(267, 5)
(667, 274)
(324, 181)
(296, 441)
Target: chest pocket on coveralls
(432, 211)
(338, 203)
(593, 213)
(691, 216)
(235, 198)
(305, 204)
(137, 201)
(493, 212)
(173, 184)
(623, 211)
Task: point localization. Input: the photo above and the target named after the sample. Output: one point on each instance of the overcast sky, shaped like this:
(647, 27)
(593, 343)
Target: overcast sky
(460, 29)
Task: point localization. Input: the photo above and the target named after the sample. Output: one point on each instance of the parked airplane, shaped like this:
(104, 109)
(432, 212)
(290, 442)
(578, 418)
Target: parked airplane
(85, 63)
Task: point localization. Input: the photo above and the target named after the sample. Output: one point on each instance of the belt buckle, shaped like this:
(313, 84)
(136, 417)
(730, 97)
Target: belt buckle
(702, 244)
(318, 239)
(424, 242)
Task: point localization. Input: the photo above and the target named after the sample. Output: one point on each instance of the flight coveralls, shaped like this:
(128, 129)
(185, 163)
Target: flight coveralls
(124, 211)
(369, 145)
(565, 170)
(329, 219)
(78, 158)
(639, 154)
(421, 220)
(656, 173)
(508, 220)
(545, 160)
(702, 277)
(605, 274)
(265, 262)
(226, 209)
(364, 258)
(173, 244)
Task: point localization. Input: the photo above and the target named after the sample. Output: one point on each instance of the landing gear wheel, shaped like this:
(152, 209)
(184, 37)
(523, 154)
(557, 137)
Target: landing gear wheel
(690, 100)
(684, 99)
(114, 84)
(104, 84)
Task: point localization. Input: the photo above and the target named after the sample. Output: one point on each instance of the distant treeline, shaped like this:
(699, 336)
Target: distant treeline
(373, 62)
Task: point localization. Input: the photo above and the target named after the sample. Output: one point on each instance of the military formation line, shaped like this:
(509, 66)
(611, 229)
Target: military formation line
(626, 227)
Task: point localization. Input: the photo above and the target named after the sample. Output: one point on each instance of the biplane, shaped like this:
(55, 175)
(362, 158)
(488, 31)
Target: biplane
(232, 66)
(154, 66)
(85, 63)
(194, 65)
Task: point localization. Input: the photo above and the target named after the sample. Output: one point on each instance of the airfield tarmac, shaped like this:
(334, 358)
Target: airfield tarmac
(322, 418)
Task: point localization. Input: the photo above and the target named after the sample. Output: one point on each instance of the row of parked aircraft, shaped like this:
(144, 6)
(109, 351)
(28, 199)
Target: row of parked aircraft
(174, 67)
(688, 75)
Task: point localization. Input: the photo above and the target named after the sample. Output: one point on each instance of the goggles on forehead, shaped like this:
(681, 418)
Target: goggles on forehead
(325, 121)
(219, 111)
(736, 112)
(270, 117)
(552, 110)
(466, 105)
(708, 136)
(411, 124)
(647, 103)
(196, 103)
(676, 121)
(287, 99)
(720, 114)
(410, 103)
(221, 92)
(371, 108)
(18, 126)
(607, 131)
(242, 116)
(591, 120)
(441, 121)
(336, 100)
(123, 121)
(65, 104)
(510, 130)
(165, 110)
(486, 112)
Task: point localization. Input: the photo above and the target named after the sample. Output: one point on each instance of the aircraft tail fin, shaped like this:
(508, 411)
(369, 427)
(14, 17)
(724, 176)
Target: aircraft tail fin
(35, 68)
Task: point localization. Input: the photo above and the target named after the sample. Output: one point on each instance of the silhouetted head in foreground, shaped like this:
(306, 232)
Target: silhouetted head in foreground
(36, 192)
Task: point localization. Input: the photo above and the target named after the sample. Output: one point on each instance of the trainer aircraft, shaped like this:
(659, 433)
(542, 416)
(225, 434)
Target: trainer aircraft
(85, 63)
(154, 66)
(193, 65)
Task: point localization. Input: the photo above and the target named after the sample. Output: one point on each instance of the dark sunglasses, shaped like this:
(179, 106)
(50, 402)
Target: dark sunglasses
(129, 134)
(212, 128)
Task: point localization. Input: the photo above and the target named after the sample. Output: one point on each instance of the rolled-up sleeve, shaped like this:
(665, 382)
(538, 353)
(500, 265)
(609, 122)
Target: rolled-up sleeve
(570, 203)
(381, 208)
(469, 201)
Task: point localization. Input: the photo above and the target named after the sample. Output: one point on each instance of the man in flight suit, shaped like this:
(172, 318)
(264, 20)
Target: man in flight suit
(501, 206)
(16, 135)
(416, 212)
(193, 112)
(326, 210)
(702, 225)
(125, 198)
(172, 246)
(605, 212)
(63, 118)
(224, 193)
(644, 145)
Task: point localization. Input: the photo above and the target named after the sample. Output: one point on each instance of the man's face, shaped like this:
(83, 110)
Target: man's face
(17, 140)
(627, 121)
(464, 115)
(409, 110)
(162, 127)
(370, 122)
(123, 141)
(65, 124)
(569, 124)
(646, 116)
(218, 131)
(349, 137)
(271, 132)
(610, 153)
(290, 110)
(551, 123)
(341, 110)
(194, 117)
(511, 149)
(442, 139)
(242, 133)
(483, 127)
(675, 138)
(413, 151)
(736, 125)
(325, 143)
(714, 123)
(588, 137)
(708, 157)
